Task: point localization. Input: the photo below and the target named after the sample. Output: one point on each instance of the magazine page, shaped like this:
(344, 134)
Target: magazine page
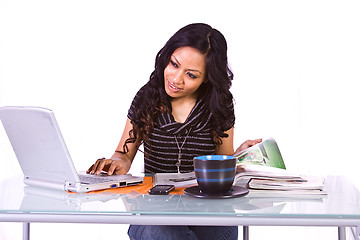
(310, 183)
(266, 172)
(266, 153)
(249, 171)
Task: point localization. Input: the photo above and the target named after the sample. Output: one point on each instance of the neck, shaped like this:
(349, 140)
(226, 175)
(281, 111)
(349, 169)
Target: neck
(181, 108)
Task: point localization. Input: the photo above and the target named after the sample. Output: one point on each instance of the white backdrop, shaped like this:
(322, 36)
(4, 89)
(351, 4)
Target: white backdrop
(296, 66)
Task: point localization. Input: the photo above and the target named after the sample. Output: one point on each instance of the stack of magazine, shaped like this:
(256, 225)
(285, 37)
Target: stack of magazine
(261, 169)
(264, 179)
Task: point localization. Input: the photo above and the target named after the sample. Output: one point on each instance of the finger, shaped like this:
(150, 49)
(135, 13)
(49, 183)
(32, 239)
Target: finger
(97, 165)
(100, 167)
(249, 143)
(89, 170)
(94, 166)
(112, 168)
(253, 142)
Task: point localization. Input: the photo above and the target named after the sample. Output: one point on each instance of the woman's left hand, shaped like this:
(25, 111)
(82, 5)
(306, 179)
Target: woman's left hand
(247, 144)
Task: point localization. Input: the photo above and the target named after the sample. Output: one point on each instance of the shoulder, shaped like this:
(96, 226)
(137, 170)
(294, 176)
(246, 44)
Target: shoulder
(140, 95)
(138, 98)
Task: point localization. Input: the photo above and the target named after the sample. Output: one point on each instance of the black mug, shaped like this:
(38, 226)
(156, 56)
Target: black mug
(215, 173)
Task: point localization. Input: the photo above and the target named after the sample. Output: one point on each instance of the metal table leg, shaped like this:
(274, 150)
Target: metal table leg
(245, 232)
(26, 231)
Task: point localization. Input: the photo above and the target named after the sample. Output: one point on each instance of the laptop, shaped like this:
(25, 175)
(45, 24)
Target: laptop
(43, 156)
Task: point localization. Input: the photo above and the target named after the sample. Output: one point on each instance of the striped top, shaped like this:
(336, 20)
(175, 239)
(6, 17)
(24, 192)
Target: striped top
(194, 135)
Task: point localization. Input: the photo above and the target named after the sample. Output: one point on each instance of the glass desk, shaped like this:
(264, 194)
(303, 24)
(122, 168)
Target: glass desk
(339, 208)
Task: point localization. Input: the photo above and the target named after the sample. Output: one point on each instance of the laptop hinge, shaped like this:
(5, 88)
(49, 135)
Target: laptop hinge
(72, 186)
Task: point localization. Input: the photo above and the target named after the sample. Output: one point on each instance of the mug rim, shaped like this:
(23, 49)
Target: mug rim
(215, 157)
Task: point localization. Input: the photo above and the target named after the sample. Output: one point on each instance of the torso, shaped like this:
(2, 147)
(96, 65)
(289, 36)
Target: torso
(187, 128)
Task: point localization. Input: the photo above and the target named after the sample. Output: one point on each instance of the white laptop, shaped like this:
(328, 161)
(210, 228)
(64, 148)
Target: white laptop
(43, 156)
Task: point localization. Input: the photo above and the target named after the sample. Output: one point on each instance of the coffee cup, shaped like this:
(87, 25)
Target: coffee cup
(215, 173)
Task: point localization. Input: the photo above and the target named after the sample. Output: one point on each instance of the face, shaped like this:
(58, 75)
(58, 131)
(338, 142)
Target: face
(185, 73)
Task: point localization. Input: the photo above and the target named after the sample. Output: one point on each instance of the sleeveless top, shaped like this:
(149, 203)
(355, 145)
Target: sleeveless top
(167, 136)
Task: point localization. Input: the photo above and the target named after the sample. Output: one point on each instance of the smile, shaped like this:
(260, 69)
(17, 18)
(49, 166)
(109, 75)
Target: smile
(173, 87)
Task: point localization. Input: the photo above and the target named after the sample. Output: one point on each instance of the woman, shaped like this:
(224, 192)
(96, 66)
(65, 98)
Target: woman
(184, 110)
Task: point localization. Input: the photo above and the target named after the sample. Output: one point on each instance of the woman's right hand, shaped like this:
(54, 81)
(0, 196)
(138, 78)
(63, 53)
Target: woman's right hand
(120, 162)
(111, 166)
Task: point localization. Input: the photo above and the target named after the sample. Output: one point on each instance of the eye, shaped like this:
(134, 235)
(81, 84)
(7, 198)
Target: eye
(173, 63)
(191, 75)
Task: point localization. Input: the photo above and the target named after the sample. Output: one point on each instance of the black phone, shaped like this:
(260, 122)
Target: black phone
(161, 189)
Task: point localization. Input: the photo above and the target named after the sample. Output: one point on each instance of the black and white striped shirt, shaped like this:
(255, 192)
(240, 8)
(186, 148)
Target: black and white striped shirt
(167, 136)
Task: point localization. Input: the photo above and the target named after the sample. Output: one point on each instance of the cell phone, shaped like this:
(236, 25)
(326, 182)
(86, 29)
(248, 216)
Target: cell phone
(161, 189)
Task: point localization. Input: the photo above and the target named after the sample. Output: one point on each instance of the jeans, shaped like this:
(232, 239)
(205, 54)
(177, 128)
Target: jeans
(154, 232)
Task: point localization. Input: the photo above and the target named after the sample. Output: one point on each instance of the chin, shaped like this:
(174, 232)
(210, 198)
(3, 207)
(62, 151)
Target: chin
(170, 94)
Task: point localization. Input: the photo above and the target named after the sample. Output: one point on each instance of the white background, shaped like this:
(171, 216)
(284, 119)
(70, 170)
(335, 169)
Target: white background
(296, 66)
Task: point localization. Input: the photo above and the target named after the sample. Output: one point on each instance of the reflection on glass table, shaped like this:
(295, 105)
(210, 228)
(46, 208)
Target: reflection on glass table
(340, 207)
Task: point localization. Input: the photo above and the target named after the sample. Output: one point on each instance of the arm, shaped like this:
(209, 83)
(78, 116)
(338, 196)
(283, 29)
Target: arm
(119, 163)
(227, 146)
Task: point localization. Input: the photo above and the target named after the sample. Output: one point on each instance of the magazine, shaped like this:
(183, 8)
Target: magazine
(266, 153)
(308, 183)
(179, 180)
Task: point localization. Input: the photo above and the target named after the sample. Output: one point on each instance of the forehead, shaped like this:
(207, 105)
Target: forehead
(189, 57)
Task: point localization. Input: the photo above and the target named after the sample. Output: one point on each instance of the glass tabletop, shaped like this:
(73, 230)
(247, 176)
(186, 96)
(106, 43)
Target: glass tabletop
(341, 201)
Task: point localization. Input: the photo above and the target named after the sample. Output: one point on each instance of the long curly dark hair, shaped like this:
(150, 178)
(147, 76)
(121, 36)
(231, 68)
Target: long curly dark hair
(215, 89)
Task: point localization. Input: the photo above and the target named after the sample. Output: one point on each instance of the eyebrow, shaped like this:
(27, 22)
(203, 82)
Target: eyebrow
(192, 70)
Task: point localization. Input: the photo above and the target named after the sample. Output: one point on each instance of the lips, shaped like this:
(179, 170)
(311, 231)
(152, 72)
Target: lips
(172, 87)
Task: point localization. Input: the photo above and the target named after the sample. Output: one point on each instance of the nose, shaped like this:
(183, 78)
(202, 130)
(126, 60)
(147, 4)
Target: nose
(178, 78)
